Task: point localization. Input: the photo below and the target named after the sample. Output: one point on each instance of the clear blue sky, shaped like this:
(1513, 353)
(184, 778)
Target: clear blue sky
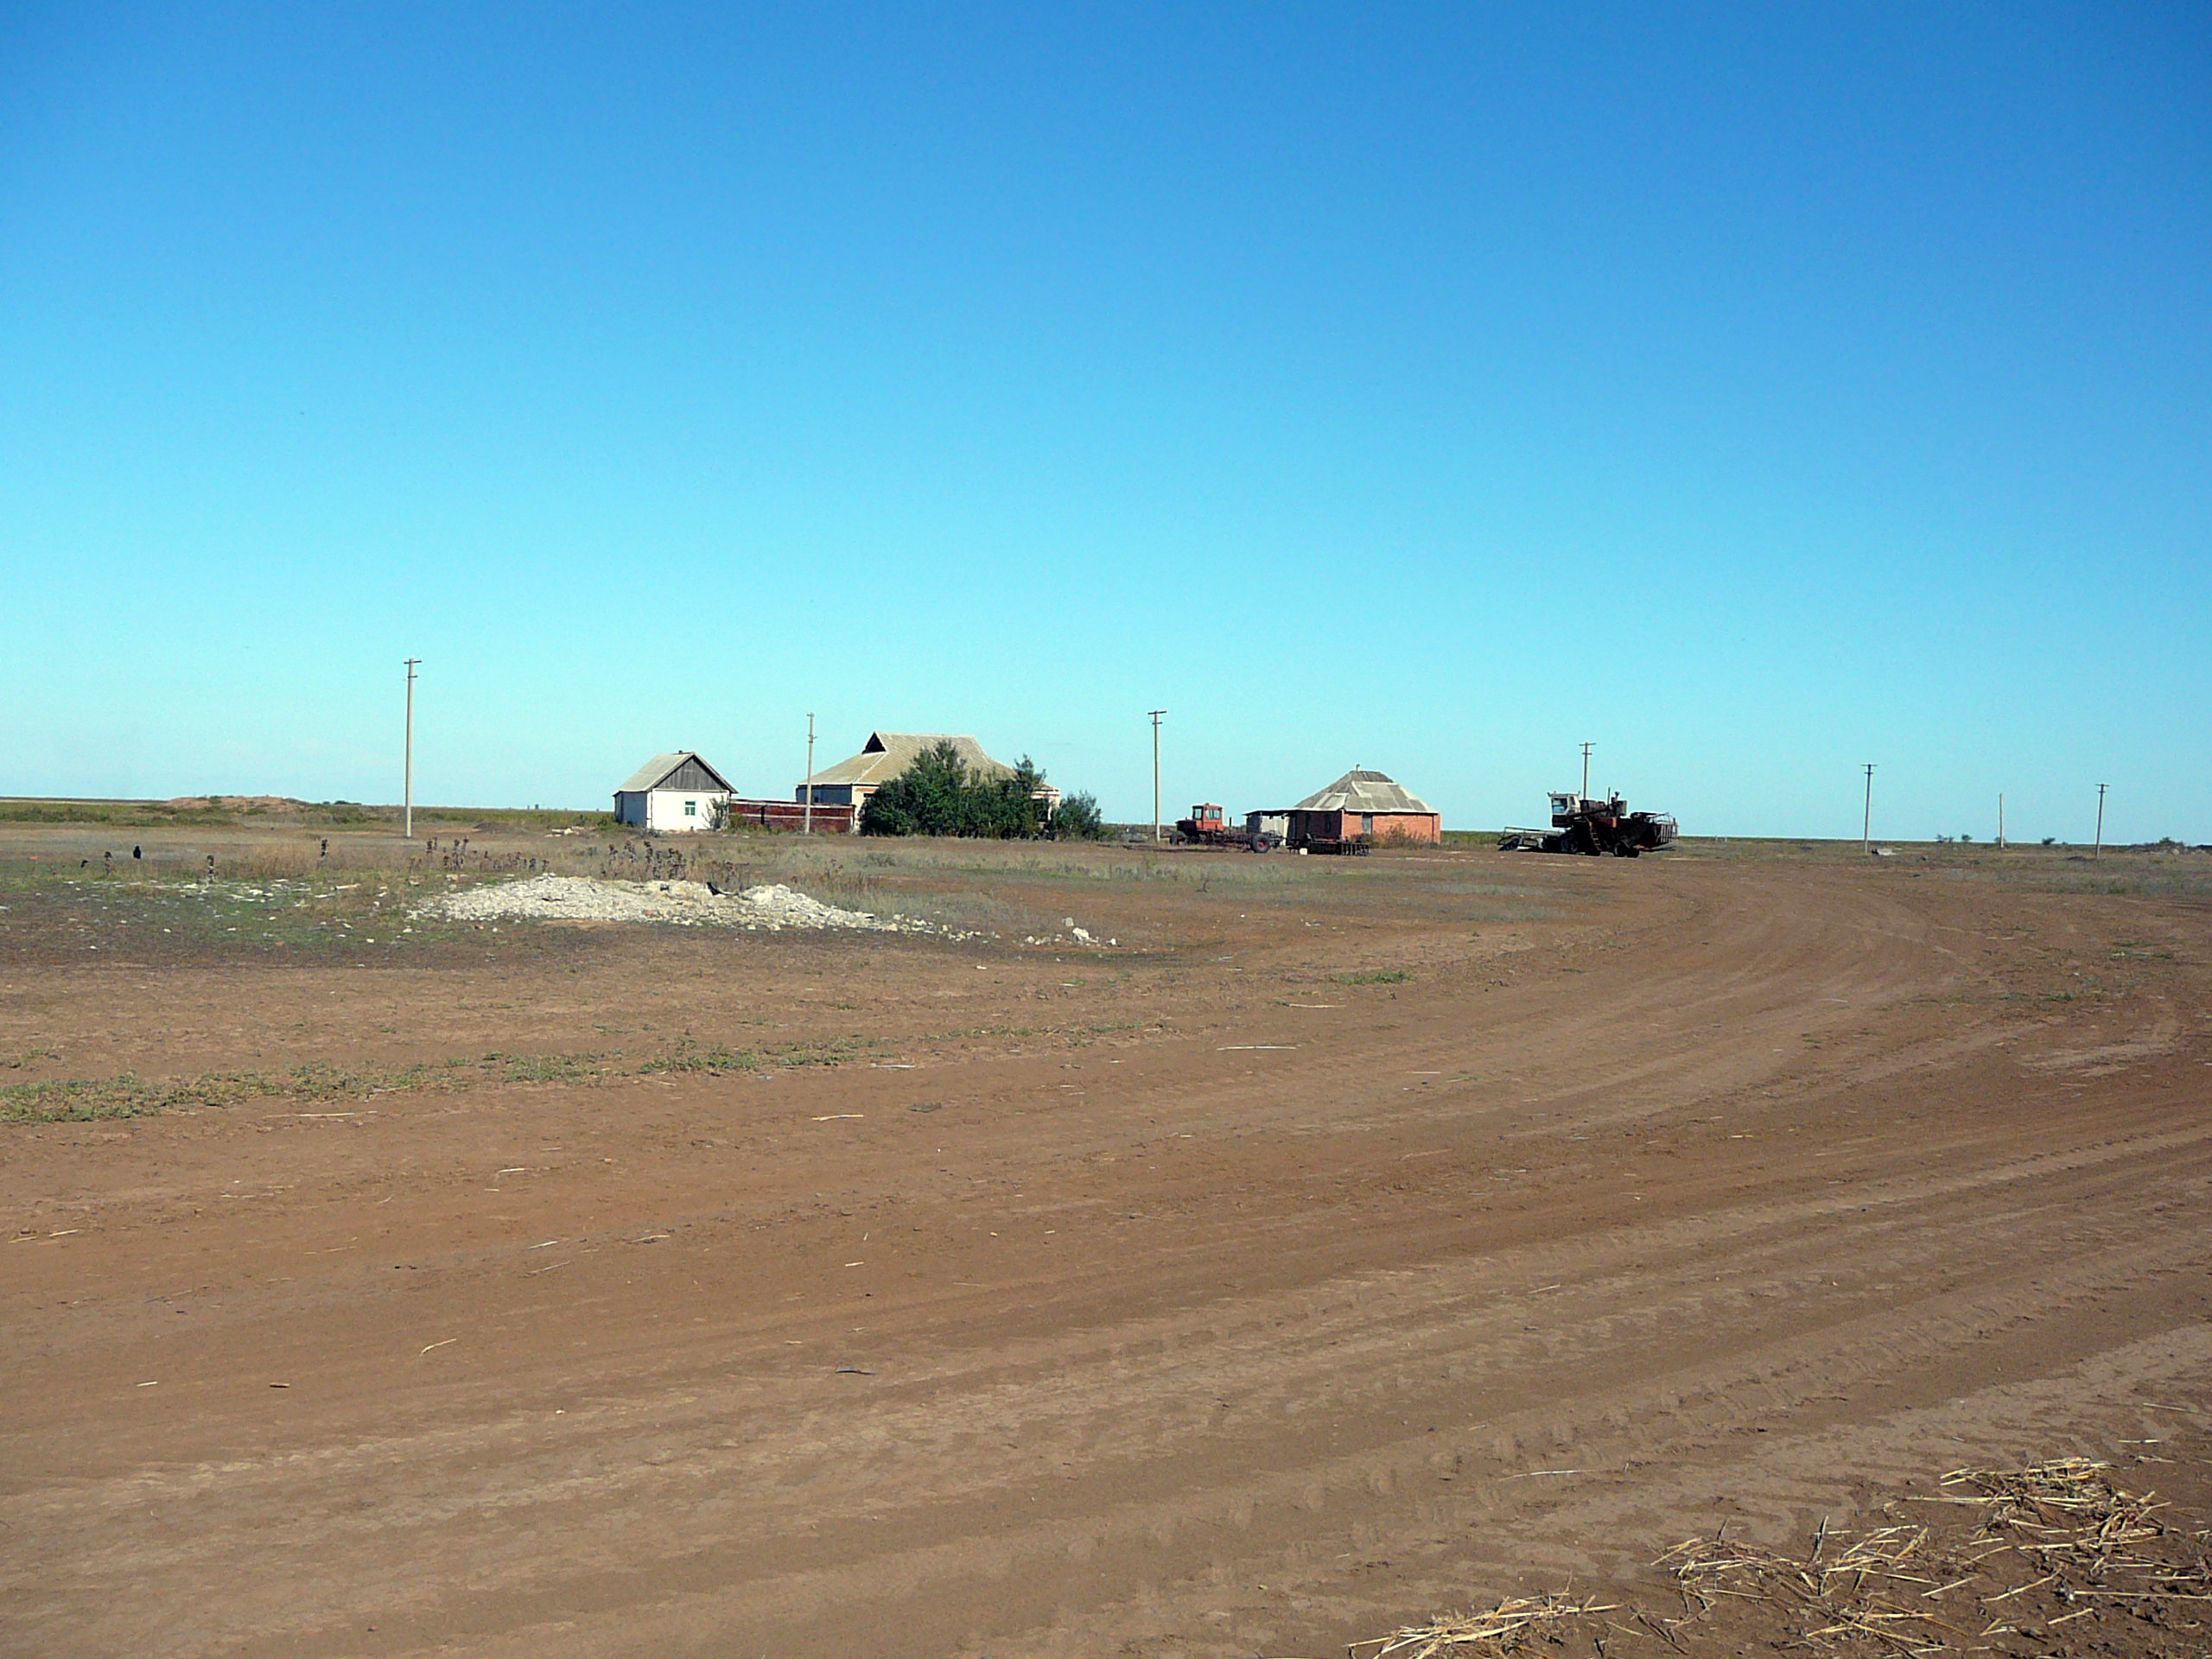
(1751, 391)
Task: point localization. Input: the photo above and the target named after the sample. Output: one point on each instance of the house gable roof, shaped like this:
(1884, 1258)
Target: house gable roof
(886, 754)
(658, 771)
(1363, 791)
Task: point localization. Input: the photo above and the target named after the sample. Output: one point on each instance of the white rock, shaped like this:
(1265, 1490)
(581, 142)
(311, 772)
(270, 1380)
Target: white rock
(575, 898)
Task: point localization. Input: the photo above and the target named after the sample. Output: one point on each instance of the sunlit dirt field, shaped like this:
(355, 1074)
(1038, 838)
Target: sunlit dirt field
(1351, 1241)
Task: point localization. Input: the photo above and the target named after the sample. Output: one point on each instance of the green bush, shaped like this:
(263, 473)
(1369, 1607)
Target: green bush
(938, 796)
(1078, 819)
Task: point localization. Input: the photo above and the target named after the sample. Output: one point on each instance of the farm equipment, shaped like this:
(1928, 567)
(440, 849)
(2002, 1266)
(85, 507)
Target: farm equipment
(1592, 828)
(1208, 826)
(1340, 846)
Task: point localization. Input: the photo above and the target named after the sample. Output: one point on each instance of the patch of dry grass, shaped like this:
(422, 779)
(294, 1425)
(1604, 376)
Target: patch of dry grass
(82, 1100)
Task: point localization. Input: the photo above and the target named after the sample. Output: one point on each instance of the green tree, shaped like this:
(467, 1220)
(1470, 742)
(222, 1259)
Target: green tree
(928, 798)
(1005, 809)
(939, 795)
(1079, 819)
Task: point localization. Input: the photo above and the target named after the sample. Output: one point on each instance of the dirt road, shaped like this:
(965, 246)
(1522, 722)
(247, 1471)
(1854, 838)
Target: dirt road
(1339, 1251)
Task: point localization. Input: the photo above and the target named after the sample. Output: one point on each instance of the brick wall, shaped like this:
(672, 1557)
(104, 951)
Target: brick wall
(1407, 826)
(790, 817)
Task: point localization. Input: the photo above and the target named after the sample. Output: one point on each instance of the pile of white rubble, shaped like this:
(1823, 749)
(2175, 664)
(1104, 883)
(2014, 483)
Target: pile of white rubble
(771, 908)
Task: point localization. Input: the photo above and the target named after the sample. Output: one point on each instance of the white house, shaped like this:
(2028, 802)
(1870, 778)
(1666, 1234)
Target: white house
(671, 793)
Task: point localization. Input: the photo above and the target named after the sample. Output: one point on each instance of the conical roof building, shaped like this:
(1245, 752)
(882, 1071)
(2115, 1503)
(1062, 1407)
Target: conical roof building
(1364, 806)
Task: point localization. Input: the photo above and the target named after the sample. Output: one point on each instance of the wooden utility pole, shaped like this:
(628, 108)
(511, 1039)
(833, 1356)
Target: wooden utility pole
(1155, 714)
(1585, 771)
(2099, 852)
(1866, 831)
(407, 773)
(2001, 822)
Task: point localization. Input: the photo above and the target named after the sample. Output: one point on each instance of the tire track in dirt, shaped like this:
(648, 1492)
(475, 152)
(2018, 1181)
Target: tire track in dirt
(1722, 1227)
(1434, 1342)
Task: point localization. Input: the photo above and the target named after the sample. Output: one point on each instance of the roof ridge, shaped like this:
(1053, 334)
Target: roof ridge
(656, 772)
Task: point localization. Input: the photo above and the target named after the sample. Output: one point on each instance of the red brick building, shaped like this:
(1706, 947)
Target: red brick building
(1364, 806)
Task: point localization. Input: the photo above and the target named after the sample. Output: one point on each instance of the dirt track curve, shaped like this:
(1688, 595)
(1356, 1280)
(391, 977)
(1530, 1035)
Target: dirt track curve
(1219, 1298)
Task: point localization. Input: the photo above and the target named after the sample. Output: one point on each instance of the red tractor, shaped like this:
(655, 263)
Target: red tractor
(1207, 827)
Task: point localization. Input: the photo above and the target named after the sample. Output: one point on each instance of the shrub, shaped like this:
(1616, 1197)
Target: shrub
(938, 796)
(925, 799)
(1079, 819)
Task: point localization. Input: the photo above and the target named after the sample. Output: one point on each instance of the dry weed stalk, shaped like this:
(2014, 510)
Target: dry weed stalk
(1867, 1589)
(1496, 1632)
(2079, 1528)
(2064, 1518)
(1885, 1590)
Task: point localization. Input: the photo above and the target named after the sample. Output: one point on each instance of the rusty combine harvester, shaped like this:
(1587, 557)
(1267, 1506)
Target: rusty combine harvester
(1580, 824)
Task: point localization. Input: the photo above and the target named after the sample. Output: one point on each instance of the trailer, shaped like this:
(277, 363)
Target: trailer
(1338, 847)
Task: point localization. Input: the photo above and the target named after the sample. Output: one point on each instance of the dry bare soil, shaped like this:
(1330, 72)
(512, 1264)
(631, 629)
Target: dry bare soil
(1349, 1243)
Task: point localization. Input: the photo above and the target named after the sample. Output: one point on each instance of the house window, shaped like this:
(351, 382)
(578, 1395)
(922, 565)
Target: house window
(690, 809)
(1367, 823)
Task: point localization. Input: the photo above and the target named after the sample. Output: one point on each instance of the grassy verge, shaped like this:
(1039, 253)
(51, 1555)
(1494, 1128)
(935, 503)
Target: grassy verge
(271, 812)
(687, 1058)
(332, 910)
(84, 1100)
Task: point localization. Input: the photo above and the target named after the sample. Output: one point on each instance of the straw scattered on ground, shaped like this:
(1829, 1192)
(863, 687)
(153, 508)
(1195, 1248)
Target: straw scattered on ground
(2054, 1542)
(1459, 1636)
(2045, 1546)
